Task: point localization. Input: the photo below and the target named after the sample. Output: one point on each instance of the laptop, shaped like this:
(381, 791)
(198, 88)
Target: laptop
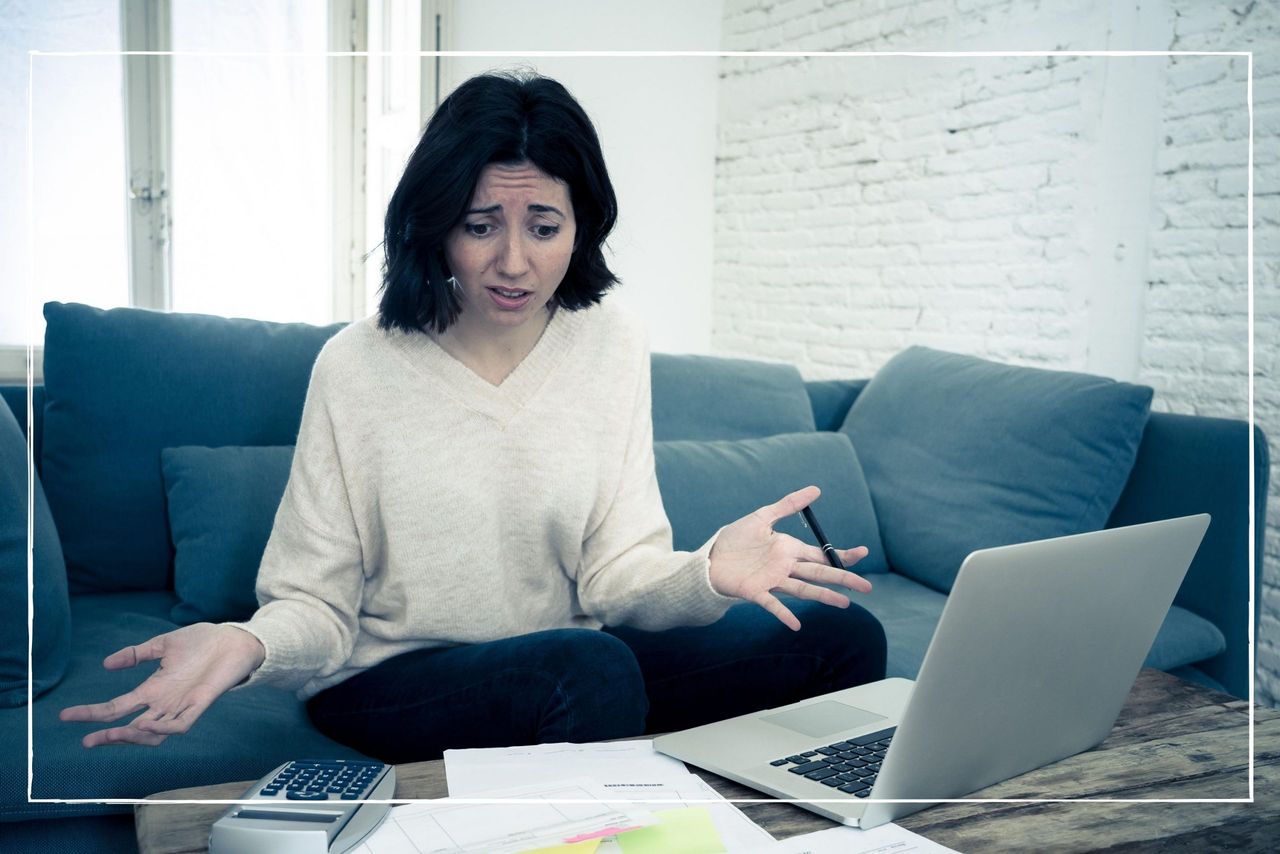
(1033, 658)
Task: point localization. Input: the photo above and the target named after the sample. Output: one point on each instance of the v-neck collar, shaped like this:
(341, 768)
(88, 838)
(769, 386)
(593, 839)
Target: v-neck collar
(500, 402)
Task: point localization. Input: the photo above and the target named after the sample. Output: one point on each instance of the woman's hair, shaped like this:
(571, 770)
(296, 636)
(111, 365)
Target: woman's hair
(493, 118)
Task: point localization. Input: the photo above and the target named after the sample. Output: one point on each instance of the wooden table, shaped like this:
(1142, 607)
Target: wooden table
(1173, 740)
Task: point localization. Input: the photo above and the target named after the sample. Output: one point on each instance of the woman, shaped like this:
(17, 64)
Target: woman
(472, 549)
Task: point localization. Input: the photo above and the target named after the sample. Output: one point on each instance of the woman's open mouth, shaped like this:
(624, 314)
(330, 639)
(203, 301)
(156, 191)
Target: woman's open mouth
(510, 299)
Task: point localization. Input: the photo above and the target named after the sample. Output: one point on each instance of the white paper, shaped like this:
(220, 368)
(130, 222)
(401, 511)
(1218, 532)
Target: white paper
(885, 839)
(547, 818)
(625, 769)
(613, 764)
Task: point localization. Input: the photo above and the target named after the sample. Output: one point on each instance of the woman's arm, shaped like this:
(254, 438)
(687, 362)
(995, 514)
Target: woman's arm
(630, 575)
(309, 589)
(311, 579)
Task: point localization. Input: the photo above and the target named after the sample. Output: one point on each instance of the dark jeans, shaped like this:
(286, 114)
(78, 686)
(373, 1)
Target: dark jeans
(582, 685)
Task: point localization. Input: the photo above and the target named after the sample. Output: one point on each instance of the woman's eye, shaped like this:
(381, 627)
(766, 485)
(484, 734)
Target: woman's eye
(546, 231)
(479, 229)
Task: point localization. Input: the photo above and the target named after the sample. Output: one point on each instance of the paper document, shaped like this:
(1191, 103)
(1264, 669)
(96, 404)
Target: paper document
(631, 763)
(885, 839)
(626, 770)
(543, 816)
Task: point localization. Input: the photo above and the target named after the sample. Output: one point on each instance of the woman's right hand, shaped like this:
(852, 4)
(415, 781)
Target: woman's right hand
(198, 664)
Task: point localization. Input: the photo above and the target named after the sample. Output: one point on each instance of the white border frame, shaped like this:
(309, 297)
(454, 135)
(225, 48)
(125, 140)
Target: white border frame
(638, 54)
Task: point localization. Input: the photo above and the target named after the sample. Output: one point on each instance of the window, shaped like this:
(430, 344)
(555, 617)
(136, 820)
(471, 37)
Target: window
(250, 188)
(241, 185)
(77, 211)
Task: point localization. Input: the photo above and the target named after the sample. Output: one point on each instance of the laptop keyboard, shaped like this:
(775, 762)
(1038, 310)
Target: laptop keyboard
(846, 766)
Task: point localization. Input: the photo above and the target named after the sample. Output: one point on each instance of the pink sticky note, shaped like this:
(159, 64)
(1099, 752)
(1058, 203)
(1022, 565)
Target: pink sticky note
(608, 831)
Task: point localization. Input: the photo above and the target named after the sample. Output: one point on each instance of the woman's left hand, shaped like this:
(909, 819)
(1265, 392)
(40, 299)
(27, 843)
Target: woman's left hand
(750, 560)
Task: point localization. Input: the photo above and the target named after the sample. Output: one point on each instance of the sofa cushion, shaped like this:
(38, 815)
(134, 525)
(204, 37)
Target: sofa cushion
(910, 611)
(222, 505)
(1184, 638)
(123, 384)
(246, 733)
(831, 399)
(961, 453)
(706, 485)
(51, 631)
(706, 397)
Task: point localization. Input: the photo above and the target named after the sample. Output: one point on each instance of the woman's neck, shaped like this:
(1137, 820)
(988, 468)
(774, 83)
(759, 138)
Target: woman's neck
(489, 353)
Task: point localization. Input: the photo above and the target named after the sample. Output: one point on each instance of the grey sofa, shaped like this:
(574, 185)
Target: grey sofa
(123, 385)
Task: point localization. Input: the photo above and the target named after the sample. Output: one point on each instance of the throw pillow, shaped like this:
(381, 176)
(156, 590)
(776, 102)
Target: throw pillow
(962, 453)
(123, 384)
(222, 506)
(51, 624)
(706, 485)
(707, 397)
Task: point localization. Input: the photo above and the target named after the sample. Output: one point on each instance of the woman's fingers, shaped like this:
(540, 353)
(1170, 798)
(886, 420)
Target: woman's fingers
(847, 556)
(122, 735)
(113, 709)
(774, 606)
(824, 574)
(789, 505)
(799, 589)
(167, 723)
(150, 650)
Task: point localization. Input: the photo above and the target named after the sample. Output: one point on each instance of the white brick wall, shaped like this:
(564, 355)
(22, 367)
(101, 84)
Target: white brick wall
(1068, 212)
(1197, 295)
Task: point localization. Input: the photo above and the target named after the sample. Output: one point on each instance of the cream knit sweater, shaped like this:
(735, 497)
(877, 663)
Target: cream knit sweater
(427, 507)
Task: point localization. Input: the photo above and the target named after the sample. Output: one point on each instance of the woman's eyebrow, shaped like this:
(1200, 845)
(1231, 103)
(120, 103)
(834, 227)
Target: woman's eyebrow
(535, 208)
(546, 209)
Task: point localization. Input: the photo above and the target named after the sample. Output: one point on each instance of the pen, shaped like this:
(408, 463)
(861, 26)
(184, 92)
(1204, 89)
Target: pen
(822, 538)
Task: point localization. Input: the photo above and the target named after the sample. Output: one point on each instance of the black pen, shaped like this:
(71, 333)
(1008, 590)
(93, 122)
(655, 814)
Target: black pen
(822, 538)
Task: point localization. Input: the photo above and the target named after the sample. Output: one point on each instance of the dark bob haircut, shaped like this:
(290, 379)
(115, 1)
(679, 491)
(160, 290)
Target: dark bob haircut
(492, 118)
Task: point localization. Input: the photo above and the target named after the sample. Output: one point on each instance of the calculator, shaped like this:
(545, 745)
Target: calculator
(307, 806)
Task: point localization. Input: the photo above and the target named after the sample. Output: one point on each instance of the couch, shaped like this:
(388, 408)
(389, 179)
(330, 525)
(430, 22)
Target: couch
(935, 455)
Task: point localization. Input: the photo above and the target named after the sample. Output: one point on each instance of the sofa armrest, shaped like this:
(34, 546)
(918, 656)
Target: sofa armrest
(1194, 464)
(15, 396)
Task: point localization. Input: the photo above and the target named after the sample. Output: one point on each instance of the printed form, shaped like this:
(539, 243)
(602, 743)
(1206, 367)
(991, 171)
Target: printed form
(615, 798)
(532, 817)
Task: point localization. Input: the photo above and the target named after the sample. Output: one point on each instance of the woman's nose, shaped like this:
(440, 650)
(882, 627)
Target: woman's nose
(513, 262)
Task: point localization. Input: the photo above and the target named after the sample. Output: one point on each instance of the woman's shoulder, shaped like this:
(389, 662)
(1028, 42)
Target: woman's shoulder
(351, 350)
(614, 328)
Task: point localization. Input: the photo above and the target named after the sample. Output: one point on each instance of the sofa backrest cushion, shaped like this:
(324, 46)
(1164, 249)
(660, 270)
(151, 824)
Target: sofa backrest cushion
(223, 501)
(706, 485)
(50, 627)
(707, 397)
(222, 506)
(962, 453)
(122, 384)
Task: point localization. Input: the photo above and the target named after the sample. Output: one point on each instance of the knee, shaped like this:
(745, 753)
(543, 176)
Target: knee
(854, 634)
(598, 679)
(582, 654)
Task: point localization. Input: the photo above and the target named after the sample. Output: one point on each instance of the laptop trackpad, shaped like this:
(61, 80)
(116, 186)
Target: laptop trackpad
(822, 718)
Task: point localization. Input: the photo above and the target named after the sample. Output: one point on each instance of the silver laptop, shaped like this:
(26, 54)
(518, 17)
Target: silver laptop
(1031, 662)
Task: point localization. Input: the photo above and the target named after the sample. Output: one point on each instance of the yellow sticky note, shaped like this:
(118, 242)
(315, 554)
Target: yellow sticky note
(687, 830)
(587, 847)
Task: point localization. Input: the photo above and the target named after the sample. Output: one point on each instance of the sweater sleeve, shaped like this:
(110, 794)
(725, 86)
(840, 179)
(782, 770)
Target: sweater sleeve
(629, 573)
(311, 577)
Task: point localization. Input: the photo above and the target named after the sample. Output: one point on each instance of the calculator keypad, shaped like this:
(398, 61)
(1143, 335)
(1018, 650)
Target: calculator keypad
(320, 780)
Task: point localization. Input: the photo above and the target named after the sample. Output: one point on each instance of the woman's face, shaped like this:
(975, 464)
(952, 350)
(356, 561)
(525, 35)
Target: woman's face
(511, 250)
